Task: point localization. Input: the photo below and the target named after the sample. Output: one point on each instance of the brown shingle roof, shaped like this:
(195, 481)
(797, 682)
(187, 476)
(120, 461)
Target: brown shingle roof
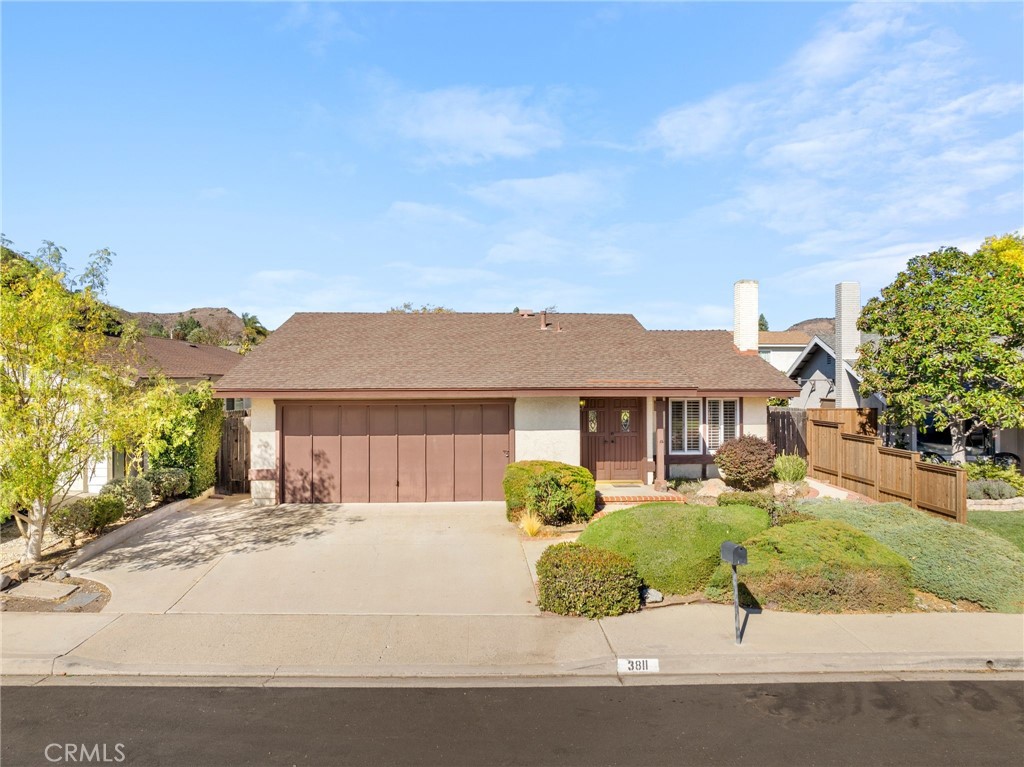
(502, 352)
(180, 359)
(793, 337)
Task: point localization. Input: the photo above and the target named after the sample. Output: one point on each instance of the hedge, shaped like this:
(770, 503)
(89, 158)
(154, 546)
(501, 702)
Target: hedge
(197, 453)
(575, 579)
(543, 480)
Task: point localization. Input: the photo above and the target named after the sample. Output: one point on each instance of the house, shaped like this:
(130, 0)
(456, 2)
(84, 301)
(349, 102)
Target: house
(182, 362)
(780, 348)
(432, 407)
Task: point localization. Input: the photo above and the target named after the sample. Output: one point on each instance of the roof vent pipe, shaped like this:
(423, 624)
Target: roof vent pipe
(543, 320)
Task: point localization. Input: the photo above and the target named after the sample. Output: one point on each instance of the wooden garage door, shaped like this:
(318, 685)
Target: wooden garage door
(394, 452)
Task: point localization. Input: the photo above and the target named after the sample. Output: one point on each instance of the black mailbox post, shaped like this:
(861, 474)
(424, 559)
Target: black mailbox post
(733, 554)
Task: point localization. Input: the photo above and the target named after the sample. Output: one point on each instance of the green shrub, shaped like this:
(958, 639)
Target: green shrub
(675, 547)
(135, 492)
(950, 560)
(106, 510)
(192, 441)
(747, 462)
(561, 492)
(985, 469)
(790, 468)
(990, 489)
(575, 579)
(743, 498)
(818, 566)
(1008, 525)
(168, 483)
(72, 519)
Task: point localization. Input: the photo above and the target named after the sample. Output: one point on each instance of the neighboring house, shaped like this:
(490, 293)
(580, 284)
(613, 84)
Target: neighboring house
(781, 348)
(432, 407)
(182, 362)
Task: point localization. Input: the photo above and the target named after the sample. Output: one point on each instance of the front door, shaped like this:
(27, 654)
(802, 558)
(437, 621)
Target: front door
(612, 438)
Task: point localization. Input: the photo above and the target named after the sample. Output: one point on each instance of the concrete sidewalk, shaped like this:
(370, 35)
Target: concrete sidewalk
(690, 642)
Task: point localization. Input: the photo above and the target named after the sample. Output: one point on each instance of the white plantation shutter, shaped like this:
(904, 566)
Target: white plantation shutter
(676, 426)
(693, 425)
(723, 421)
(714, 424)
(729, 419)
(684, 426)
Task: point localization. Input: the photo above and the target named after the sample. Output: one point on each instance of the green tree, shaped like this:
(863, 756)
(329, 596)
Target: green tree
(952, 336)
(408, 308)
(253, 332)
(63, 382)
(762, 323)
(201, 335)
(183, 327)
(157, 330)
(190, 440)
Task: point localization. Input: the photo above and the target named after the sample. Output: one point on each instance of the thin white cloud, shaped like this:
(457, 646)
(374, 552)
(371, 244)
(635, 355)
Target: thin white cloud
(703, 128)
(410, 212)
(443, 275)
(467, 125)
(545, 192)
(587, 249)
(323, 22)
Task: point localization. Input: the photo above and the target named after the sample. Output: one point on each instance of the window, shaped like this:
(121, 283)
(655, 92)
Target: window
(723, 422)
(592, 421)
(624, 420)
(684, 426)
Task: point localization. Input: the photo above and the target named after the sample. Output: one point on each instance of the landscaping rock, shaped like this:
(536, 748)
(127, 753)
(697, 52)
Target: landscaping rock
(60, 575)
(5, 581)
(652, 596)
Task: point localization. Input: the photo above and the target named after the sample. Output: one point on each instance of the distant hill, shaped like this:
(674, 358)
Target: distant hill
(223, 324)
(817, 325)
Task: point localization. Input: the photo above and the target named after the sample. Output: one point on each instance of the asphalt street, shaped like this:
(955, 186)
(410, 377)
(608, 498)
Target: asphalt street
(872, 723)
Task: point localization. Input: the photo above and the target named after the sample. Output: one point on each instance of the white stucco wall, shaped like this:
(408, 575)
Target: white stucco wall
(755, 416)
(263, 453)
(548, 428)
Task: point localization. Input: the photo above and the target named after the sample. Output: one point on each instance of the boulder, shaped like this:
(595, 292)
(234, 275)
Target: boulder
(652, 596)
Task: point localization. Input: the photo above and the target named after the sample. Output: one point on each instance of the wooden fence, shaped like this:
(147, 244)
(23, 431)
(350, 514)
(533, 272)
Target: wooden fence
(233, 456)
(853, 420)
(859, 463)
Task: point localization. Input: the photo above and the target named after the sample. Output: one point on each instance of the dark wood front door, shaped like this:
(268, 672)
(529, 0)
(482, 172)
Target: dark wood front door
(612, 438)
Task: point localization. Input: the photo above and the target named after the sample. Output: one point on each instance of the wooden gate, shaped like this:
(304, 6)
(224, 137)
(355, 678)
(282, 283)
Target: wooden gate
(787, 430)
(233, 456)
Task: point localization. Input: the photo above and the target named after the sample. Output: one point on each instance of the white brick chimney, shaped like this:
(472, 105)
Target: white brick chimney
(745, 315)
(847, 340)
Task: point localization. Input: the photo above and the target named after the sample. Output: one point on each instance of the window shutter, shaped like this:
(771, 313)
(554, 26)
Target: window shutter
(714, 424)
(693, 425)
(676, 426)
(729, 419)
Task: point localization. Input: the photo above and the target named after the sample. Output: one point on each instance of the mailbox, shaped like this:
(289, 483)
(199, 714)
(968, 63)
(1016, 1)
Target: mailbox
(734, 554)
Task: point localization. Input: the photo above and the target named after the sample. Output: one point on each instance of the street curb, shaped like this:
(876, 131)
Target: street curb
(131, 529)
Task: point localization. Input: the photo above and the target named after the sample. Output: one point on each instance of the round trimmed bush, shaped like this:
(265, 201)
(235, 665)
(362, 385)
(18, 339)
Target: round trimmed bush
(557, 492)
(135, 492)
(73, 519)
(747, 462)
(990, 489)
(576, 579)
(106, 510)
(818, 566)
(168, 483)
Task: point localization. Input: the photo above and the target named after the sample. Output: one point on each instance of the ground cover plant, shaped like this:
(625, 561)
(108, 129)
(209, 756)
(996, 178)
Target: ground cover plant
(1005, 524)
(575, 579)
(818, 566)
(675, 547)
(952, 561)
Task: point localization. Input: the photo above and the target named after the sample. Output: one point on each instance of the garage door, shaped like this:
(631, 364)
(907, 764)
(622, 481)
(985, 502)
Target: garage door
(394, 452)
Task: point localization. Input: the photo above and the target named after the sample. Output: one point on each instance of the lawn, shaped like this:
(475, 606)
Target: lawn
(675, 547)
(1005, 524)
(955, 562)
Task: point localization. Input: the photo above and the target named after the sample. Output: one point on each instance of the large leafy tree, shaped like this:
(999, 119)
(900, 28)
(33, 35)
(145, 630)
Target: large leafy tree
(952, 340)
(67, 387)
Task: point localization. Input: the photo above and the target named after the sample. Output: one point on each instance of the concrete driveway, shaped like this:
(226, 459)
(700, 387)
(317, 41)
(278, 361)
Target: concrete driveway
(228, 556)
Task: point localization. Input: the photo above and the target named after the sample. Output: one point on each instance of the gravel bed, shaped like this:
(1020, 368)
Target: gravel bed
(12, 545)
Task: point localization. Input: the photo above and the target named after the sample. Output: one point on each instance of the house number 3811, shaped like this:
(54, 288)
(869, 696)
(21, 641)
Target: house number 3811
(638, 665)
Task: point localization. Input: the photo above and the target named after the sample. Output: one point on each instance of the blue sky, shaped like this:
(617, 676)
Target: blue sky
(275, 158)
